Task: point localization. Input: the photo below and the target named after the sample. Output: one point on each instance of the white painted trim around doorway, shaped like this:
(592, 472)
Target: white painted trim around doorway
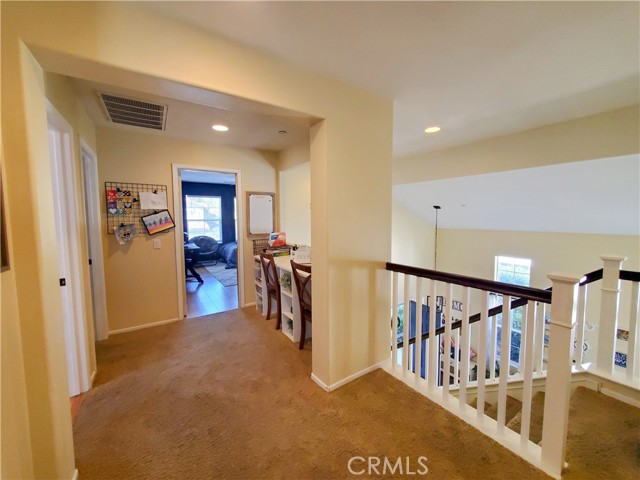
(94, 239)
(179, 240)
(73, 300)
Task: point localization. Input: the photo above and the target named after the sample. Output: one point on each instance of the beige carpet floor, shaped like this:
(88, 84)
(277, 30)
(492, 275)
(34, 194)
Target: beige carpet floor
(228, 396)
(604, 438)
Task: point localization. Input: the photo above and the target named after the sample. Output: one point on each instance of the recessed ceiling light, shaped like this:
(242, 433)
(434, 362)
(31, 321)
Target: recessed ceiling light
(431, 129)
(220, 128)
(282, 132)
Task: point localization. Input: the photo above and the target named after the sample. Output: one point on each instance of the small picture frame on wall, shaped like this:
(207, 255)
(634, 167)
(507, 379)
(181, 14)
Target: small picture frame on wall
(158, 222)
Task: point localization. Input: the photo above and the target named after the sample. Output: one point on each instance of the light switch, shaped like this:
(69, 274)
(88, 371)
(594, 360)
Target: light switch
(156, 243)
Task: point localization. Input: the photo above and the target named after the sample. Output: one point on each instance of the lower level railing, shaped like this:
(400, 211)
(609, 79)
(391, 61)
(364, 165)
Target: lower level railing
(472, 347)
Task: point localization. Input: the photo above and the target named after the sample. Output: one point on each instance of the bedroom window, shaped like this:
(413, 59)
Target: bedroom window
(204, 216)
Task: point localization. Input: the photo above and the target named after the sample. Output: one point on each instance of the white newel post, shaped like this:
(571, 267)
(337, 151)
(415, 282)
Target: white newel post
(558, 391)
(608, 313)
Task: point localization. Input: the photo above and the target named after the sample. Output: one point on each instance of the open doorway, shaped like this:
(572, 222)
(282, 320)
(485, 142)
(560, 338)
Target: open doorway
(69, 261)
(209, 223)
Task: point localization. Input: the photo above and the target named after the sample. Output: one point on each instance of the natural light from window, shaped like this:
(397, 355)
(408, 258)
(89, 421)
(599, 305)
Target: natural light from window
(203, 216)
(516, 271)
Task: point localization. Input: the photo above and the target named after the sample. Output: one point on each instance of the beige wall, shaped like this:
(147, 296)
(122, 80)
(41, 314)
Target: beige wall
(15, 460)
(149, 293)
(118, 43)
(294, 191)
(412, 239)
(294, 156)
(30, 289)
(604, 135)
(473, 252)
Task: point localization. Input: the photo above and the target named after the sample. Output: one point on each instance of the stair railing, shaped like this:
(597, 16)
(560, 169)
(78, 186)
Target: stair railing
(544, 333)
(617, 335)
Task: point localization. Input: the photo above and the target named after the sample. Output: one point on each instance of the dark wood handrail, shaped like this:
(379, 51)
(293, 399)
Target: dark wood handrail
(529, 293)
(518, 302)
(591, 277)
(629, 275)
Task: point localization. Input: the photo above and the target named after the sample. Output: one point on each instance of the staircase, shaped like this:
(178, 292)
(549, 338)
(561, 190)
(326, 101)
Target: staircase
(451, 331)
(513, 415)
(603, 440)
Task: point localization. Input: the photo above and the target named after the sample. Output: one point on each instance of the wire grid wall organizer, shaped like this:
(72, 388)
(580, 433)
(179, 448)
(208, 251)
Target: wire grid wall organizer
(127, 208)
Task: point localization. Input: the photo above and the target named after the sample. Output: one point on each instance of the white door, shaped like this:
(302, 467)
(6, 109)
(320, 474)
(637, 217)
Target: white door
(69, 261)
(94, 242)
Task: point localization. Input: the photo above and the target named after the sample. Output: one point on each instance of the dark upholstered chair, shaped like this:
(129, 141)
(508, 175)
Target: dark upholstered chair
(304, 296)
(208, 248)
(272, 286)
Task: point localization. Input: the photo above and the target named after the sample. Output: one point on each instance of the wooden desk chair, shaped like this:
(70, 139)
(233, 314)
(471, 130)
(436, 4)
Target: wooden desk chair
(304, 296)
(272, 286)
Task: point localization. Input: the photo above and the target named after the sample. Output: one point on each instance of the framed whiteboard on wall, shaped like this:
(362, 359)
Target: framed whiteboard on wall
(261, 208)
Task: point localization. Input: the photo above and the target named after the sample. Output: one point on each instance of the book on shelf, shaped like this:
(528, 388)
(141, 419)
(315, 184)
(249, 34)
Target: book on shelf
(278, 251)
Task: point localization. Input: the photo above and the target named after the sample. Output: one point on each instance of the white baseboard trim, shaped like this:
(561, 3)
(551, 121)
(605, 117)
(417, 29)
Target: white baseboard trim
(93, 377)
(75, 475)
(252, 304)
(344, 381)
(146, 325)
(322, 385)
(620, 397)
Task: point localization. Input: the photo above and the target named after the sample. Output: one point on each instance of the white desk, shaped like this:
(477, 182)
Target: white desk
(290, 306)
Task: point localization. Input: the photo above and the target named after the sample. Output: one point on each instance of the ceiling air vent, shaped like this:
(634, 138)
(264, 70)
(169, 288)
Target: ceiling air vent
(134, 112)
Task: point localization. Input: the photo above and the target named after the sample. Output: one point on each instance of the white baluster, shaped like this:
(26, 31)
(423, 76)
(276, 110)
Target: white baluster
(493, 346)
(558, 387)
(608, 314)
(434, 367)
(464, 346)
(632, 365)
(523, 309)
(505, 352)
(456, 363)
(580, 327)
(407, 325)
(482, 354)
(446, 350)
(526, 351)
(538, 352)
(418, 344)
(394, 321)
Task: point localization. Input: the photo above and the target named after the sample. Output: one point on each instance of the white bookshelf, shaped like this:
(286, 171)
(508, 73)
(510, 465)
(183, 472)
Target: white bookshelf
(290, 321)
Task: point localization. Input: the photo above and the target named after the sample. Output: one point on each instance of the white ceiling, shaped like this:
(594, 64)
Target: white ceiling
(194, 112)
(477, 69)
(598, 196)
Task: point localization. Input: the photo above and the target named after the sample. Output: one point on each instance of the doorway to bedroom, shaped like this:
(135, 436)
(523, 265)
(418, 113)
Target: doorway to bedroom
(210, 233)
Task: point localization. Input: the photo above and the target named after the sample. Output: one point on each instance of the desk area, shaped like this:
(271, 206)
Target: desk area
(288, 297)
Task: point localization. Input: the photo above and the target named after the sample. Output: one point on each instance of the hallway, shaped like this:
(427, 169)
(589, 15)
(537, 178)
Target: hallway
(228, 396)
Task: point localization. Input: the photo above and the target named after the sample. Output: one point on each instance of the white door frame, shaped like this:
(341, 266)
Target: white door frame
(177, 209)
(94, 240)
(69, 258)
